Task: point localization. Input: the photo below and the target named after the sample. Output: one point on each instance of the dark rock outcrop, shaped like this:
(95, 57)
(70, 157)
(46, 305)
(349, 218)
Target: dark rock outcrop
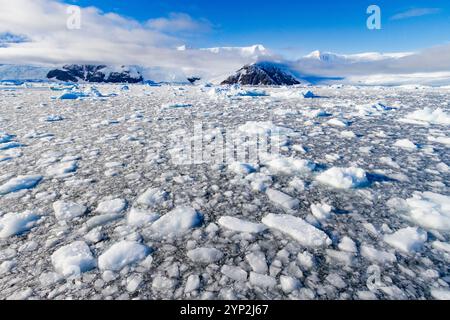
(95, 73)
(266, 74)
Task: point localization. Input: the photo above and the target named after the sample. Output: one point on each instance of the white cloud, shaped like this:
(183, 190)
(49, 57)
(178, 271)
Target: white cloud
(179, 22)
(417, 12)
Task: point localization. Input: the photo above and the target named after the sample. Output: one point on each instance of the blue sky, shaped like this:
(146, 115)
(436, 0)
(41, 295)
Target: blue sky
(298, 27)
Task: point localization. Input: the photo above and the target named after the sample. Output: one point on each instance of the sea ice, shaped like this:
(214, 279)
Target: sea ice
(16, 223)
(122, 254)
(68, 210)
(240, 225)
(298, 229)
(283, 200)
(344, 178)
(73, 259)
(205, 255)
(407, 240)
(177, 222)
(427, 209)
(20, 183)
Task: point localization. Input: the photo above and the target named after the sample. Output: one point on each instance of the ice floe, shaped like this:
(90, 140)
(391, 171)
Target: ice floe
(122, 254)
(73, 259)
(298, 229)
(17, 223)
(240, 225)
(177, 222)
(20, 183)
(407, 240)
(427, 209)
(344, 178)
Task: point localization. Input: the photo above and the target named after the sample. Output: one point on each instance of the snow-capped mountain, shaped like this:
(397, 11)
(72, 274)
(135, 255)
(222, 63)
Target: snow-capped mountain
(96, 73)
(262, 73)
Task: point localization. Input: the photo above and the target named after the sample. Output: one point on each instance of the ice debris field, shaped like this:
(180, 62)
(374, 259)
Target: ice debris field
(95, 204)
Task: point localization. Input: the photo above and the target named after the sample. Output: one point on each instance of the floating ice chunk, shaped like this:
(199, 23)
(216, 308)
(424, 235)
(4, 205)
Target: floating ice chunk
(289, 166)
(102, 220)
(283, 200)
(441, 293)
(62, 168)
(68, 210)
(239, 225)
(289, 284)
(262, 128)
(428, 210)
(16, 223)
(298, 229)
(347, 245)
(241, 168)
(390, 162)
(235, 273)
(153, 197)
(53, 118)
(427, 115)
(309, 95)
(375, 255)
(407, 239)
(257, 261)
(122, 254)
(139, 218)
(20, 183)
(338, 122)
(177, 222)
(134, 282)
(405, 144)
(340, 257)
(297, 184)
(348, 134)
(344, 178)
(321, 211)
(5, 137)
(7, 266)
(259, 182)
(262, 281)
(306, 260)
(335, 280)
(205, 255)
(192, 283)
(111, 206)
(72, 96)
(73, 259)
(10, 145)
(251, 93)
(443, 246)
(443, 140)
